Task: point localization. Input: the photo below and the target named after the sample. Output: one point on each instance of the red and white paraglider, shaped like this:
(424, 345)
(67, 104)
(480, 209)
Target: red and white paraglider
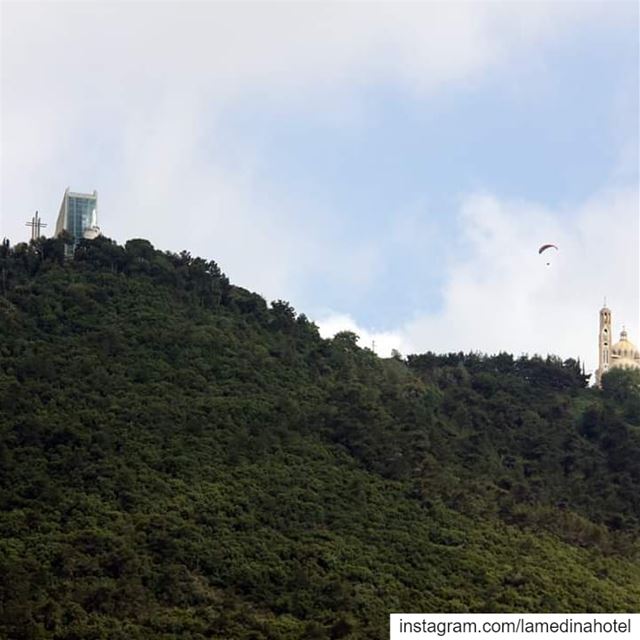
(546, 247)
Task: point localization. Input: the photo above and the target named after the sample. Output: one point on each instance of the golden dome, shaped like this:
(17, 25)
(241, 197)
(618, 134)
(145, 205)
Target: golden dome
(624, 349)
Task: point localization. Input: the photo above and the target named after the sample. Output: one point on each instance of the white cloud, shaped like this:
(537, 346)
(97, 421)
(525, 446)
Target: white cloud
(99, 95)
(502, 296)
(382, 342)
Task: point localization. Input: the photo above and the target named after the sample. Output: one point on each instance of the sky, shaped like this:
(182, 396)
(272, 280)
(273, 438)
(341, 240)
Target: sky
(387, 168)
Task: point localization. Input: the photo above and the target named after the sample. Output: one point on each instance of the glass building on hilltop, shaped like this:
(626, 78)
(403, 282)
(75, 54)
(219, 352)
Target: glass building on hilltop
(78, 215)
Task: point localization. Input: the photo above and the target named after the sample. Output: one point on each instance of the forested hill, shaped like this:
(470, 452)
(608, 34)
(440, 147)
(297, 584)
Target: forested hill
(179, 459)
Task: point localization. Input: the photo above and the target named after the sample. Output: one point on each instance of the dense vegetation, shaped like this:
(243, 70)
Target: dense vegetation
(179, 459)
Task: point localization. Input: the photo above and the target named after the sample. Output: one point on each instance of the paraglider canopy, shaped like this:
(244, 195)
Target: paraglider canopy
(546, 247)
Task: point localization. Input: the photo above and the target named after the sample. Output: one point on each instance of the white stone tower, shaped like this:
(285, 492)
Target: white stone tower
(604, 343)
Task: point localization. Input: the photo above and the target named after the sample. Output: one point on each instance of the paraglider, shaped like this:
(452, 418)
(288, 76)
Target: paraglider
(546, 247)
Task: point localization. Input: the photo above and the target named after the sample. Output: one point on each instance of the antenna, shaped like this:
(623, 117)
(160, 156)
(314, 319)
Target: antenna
(36, 224)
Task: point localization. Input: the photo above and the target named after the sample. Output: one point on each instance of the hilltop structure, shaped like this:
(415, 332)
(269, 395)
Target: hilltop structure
(623, 354)
(78, 216)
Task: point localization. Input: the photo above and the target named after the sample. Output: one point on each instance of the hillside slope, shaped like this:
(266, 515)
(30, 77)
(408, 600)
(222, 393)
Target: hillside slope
(179, 459)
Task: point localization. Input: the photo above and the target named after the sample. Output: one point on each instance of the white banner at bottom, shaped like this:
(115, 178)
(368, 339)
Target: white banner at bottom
(514, 626)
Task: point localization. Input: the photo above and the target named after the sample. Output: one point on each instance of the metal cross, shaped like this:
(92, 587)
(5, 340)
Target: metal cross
(36, 224)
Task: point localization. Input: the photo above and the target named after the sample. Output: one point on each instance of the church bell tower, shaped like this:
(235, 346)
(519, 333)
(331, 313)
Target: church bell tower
(604, 343)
